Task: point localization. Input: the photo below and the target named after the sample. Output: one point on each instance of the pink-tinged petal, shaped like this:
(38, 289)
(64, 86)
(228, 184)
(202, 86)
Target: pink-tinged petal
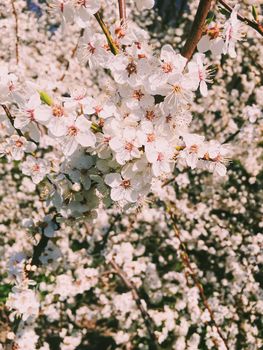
(217, 47)
(167, 53)
(203, 88)
(83, 123)
(204, 44)
(34, 101)
(131, 195)
(113, 179)
(117, 194)
(70, 146)
(115, 144)
(57, 127)
(86, 139)
(220, 169)
(42, 114)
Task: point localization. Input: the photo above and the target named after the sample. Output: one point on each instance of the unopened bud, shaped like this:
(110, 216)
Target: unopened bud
(76, 187)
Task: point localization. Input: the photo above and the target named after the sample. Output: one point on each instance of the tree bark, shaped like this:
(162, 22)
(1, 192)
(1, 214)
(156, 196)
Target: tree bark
(197, 28)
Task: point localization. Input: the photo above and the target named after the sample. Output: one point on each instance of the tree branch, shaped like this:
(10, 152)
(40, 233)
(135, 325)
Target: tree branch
(187, 264)
(73, 53)
(122, 10)
(11, 119)
(253, 24)
(146, 317)
(197, 28)
(16, 30)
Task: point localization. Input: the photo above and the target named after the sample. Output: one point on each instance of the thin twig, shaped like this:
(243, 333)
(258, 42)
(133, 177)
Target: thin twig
(130, 285)
(187, 264)
(73, 53)
(11, 119)
(114, 49)
(122, 10)
(253, 24)
(197, 28)
(39, 249)
(16, 30)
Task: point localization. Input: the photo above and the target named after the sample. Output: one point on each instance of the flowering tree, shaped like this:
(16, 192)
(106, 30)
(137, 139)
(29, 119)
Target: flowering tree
(123, 224)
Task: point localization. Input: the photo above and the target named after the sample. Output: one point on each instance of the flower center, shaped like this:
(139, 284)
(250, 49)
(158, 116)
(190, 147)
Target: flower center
(91, 48)
(131, 69)
(30, 113)
(98, 109)
(106, 139)
(19, 143)
(81, 2)
(72, 130)
(129, 146)
(193, 149)
(138, 94)
(213, 32)
(126, 184)
(57, 111)
(35, 168)
(160, 157)
(150, 137)
(150, 115)
(167, 68)
(168, 118)
(177, 89)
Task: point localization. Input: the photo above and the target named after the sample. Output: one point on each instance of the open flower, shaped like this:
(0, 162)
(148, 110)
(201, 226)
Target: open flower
(78, 133)
(199, 73)
(36, 168)
(121, 188)
(233, 31)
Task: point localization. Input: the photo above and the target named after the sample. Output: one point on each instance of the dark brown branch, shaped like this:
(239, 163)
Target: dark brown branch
(253, 24)
(197, 28)
(122, 10)
(39, 249)
(146, 317)
(11, 119)
(187, 264)
(16, 30)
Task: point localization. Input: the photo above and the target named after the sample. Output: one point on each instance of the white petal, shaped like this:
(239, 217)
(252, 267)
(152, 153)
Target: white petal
(113, 179)
(117, 193)
(204, 44)
(203, 88)
(86, 139)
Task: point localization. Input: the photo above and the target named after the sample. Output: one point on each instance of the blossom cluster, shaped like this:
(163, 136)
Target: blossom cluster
(134, 133)
(81, 148)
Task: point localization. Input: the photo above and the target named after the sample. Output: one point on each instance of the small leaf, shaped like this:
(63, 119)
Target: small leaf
(45, 98)
(255, 13)
(210, 19)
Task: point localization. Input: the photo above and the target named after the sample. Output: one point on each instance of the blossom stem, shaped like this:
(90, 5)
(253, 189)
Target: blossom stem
(73, 53)
(122, 10)
(16, 30)
(197, 28)
(253, 24)
(106, 31)
(11, 119)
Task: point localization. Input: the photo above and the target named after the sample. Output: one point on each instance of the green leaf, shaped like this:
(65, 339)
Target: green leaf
(45, 98)
(255, 12)
(210, 19)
